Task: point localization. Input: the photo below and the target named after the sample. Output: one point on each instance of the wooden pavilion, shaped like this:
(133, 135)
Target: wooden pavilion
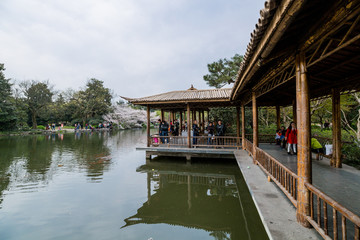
(302, 50)
(191, 104)
(299, 51)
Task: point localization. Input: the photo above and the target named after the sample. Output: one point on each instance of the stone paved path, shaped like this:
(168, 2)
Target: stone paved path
(341, 184)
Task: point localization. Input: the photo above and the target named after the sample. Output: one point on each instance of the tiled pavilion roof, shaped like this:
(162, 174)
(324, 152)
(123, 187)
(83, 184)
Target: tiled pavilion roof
(211, 97)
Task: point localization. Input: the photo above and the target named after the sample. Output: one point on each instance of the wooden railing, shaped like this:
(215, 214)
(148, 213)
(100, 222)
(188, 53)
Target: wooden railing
(174, 141)
(321, 207)
(279, 173)
(248, 146)
(197, 141)
(216, 141)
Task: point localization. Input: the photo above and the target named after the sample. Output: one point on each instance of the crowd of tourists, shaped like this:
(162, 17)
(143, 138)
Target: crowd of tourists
(212, 130)
(287, 139)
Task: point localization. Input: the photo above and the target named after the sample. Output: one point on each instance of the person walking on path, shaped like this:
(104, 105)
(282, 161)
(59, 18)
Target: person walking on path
(291, 138)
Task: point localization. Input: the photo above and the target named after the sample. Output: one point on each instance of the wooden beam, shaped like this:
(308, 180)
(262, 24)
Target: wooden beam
(188, 125)
(148, 125)
(336, 128)
(304, 167)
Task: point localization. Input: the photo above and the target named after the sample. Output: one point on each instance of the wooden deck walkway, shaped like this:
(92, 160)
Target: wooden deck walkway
(188, 153)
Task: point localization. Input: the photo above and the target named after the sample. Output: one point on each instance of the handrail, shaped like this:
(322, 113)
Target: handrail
(196, 141)
(279, 173)
(287, 182)
(337, 207)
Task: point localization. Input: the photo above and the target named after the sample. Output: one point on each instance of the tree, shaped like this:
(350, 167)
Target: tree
(94, 101)
(7, 106)
(37, 96)
(223, 71)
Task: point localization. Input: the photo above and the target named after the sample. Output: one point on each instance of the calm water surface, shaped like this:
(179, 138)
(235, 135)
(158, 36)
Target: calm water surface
(96, 186)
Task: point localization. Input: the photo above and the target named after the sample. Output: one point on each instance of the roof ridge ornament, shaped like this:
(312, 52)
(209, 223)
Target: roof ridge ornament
(192, 88)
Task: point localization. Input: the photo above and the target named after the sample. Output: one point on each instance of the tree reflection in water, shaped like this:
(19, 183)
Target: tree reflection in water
(28, 163)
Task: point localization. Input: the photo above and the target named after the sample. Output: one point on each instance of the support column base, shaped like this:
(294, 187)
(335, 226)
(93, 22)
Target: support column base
(301, 219)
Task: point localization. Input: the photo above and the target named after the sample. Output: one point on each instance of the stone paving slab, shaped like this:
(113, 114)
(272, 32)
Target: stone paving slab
(275, 210)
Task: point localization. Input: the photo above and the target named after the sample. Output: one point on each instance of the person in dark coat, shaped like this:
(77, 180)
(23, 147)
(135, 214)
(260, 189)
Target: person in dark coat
(220, 132)
(211, 131)
(164, 131)
(196, 129)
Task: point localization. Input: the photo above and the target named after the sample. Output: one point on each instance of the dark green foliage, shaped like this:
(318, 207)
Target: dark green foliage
(7, 106)
(223, 71)
(93, 102)
(352, 154)
(227, 116)
(38, 96)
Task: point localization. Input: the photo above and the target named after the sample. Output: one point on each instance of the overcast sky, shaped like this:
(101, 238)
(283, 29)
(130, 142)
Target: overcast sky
(137, 47)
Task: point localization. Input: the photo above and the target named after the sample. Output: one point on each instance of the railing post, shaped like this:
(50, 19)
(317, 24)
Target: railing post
(188, 126)
(304, 155)
(336, 120)
(255, 126)
(148, 126)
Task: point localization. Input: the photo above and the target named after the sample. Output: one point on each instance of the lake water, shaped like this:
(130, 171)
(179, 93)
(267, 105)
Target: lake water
(97, 186)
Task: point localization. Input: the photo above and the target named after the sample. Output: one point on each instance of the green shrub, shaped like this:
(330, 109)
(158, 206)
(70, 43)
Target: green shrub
(352, 154)
(41, 127)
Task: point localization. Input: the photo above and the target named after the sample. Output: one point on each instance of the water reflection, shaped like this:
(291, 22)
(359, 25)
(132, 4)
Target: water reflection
(28, 163)
(210, 197)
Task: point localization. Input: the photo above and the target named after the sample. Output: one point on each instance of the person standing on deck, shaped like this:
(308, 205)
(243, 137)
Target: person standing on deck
(164, 131)
(211, 130)
(291, 138)
(220, 132)
(195, 128)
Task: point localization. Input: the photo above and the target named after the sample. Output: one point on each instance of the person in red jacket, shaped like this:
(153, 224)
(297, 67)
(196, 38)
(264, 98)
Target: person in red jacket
(291, 138)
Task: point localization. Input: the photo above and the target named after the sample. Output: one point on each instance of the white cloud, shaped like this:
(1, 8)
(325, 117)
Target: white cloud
(136, 47)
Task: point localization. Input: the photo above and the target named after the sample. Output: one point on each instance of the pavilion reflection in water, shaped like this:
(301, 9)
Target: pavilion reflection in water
(212, 199)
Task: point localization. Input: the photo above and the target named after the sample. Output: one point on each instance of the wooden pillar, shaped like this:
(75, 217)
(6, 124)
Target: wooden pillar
(278, 117)
(336, 128)
(294, 111)
(188, 126)
(237, 121)
(181, 123)
(203, 120)
(304, 167)
(238, 125)
(162, 115)
(255, 126)
(148, 126)
(243, 125)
